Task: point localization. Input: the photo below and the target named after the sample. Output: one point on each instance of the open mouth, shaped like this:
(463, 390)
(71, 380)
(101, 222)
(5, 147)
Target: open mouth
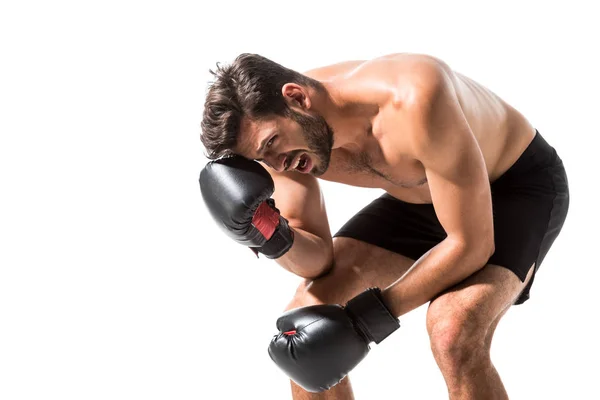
(303, 164)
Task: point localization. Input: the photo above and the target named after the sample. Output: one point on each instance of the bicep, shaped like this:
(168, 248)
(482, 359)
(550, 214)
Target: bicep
(454, 166)
(300, 200)
(459, 187)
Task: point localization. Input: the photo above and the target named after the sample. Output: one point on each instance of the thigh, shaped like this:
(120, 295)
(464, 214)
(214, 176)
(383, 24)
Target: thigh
(531, 202)
(400, 227)
(373, 249)
(357, 266)
(478, 302)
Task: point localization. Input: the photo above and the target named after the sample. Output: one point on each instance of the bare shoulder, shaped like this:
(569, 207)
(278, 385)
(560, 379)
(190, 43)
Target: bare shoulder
(385, 74)
(405, 73)
(329, 72)
(395, 79)
(412, 88)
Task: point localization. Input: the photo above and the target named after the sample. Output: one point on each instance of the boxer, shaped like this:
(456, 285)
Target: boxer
(474, 199)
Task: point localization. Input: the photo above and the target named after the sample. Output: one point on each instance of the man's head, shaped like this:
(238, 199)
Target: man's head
(261, 110)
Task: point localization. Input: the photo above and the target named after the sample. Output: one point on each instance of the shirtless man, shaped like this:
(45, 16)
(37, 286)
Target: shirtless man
(474, 199)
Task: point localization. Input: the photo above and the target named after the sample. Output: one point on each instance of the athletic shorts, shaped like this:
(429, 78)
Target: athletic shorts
(530, 203)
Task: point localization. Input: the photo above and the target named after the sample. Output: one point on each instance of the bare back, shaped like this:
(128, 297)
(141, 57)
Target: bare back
(501, 131)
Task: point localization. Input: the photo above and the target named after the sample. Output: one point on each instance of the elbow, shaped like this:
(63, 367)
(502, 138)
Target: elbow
(491, 248)
(317, 273)
(319, 263)
(476, 250)
(327, 261)
(482, 249)
(325, 265)
(488, 243)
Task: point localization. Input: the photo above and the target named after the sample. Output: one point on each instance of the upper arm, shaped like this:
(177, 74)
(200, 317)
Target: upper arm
(300, 200)
(443, 142)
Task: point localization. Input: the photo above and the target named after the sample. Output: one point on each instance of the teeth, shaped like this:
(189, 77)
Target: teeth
(297, 162)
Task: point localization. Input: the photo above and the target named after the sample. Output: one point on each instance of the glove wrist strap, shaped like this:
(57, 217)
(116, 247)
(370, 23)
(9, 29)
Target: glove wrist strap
(280, 242)
(372, 316)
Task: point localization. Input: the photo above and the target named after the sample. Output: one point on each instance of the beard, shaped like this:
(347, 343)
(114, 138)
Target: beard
(319, 137)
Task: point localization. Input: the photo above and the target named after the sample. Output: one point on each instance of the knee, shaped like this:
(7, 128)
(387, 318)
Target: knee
(303, 297)
(327, 289)
(456, 336)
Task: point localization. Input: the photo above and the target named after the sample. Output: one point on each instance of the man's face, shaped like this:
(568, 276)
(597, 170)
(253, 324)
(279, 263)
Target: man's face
(301, 142)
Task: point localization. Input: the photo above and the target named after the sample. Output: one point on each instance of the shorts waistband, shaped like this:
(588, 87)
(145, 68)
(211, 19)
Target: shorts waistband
(538, 154)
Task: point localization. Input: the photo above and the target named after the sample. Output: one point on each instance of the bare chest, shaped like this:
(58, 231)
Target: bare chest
(405, 180)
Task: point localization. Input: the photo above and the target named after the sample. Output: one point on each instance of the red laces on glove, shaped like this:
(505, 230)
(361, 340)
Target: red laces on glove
(265, 219)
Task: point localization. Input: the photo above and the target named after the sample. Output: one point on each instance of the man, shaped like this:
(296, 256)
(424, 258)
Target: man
(474, 199)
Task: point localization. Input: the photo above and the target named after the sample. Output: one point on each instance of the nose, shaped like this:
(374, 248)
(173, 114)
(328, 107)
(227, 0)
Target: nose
(277, 162)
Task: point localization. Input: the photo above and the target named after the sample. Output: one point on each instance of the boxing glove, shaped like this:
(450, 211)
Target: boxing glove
(317, 346)
(237, 192)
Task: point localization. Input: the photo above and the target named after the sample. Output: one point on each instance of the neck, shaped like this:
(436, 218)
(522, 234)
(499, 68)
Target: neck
(351, 122)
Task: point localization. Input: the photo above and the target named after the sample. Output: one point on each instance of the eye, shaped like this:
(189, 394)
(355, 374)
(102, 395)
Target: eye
(271, 141)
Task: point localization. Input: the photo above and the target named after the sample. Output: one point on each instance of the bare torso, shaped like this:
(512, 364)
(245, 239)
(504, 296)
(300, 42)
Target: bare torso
(501, 132)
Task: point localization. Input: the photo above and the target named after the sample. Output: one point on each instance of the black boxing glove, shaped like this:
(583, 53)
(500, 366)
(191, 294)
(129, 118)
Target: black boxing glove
(237, 192)
(317, 346)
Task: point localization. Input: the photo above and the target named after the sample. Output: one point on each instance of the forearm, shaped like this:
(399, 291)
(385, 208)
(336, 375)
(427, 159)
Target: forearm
(443, 266)
(309, 256)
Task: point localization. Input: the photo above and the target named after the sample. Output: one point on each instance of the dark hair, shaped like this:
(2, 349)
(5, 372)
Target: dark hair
(251, 87)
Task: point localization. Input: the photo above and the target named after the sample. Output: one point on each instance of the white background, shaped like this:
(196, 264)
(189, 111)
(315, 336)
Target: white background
(114, 281)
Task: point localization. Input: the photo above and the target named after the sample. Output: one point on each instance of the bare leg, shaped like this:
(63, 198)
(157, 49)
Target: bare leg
(357, 266)
(341, 391)
(461, 323)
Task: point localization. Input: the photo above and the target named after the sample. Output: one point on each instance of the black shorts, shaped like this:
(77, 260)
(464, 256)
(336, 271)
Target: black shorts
(530, 203)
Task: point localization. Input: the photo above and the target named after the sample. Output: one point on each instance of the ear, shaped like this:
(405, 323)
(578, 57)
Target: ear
(296, 96)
